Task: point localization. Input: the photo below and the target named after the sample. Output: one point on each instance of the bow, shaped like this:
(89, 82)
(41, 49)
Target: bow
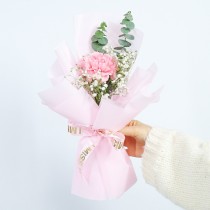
(117, 139)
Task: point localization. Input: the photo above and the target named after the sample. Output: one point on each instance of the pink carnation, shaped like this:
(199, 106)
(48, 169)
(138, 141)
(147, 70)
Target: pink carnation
(98, 62)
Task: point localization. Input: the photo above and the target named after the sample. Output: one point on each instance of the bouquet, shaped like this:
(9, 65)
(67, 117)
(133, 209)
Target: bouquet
(98, 95)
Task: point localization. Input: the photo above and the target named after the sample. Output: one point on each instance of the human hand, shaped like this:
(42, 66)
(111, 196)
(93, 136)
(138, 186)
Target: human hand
(135, 135)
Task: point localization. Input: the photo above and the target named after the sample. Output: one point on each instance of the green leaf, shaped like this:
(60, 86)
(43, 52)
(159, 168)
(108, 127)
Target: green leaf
(125, 21)
(122, 35)
(103, 41)
(94, 38)
(129, 36)
(97, 47)
(118, 48)
(129, 16)
(103, 25)
(130, 25)
(99, 34)
(124, 43)
(125, 30)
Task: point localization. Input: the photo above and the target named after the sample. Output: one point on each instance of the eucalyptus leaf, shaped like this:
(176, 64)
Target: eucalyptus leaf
(125, 21)
(118, 48)
(94, 38)
(125, 30)
(99, 34)
(97, 47)
(103, 26)
(130, 25)
(124, 43)
(129, 16)
(103, 41)
(129, 36)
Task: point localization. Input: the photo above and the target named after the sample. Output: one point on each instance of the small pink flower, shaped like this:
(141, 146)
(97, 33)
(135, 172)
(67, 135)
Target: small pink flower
(97, 62)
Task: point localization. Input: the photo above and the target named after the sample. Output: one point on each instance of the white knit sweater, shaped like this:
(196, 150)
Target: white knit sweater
(178, 166)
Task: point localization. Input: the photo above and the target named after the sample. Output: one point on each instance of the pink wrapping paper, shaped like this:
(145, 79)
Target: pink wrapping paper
(107, 172)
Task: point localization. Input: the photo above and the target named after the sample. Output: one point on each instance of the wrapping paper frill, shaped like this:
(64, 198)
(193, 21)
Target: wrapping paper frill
(107, 172)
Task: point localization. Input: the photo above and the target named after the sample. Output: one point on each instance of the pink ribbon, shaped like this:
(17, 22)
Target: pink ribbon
(117, 139)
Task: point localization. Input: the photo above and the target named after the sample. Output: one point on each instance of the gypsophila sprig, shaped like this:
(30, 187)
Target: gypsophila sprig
(125, 61)
(104, 73)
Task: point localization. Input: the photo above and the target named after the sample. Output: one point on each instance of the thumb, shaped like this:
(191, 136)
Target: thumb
(130, 131)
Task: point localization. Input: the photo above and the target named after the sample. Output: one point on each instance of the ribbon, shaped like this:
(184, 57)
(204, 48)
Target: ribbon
(117, 139)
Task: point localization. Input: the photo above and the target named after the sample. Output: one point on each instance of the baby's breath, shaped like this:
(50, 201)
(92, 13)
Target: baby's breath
(94, 85)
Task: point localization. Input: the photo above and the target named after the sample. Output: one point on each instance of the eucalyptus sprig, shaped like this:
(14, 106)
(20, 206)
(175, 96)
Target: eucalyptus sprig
(128, 26)
(99, 39)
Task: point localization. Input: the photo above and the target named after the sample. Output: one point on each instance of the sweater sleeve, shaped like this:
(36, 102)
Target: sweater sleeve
(178, 166)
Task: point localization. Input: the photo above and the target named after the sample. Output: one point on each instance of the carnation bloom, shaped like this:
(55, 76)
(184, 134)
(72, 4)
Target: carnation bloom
(98, 64)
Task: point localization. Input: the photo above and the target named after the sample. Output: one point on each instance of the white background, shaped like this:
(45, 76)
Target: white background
(36, 152)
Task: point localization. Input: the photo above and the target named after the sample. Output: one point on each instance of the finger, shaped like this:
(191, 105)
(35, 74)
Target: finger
(129, 131)
(140, 152)
(134, 153)
(134, 123)
(130, 143)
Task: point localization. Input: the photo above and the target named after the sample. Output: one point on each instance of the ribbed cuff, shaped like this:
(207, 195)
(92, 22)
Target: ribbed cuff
(157, 144)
